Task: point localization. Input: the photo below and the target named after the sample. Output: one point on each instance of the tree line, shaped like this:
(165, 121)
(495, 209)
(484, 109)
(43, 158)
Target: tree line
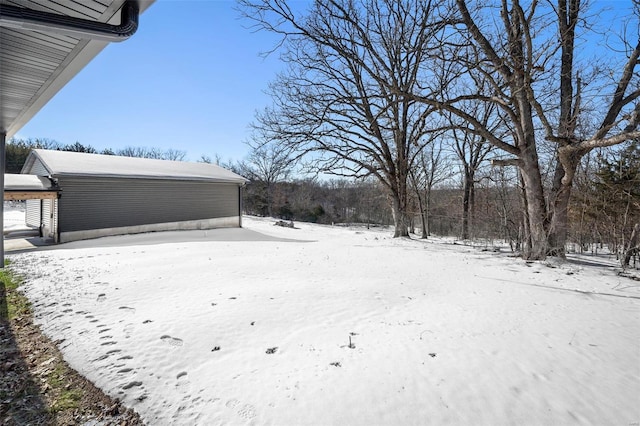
(604, 208)
(445, 198)
(17, 150)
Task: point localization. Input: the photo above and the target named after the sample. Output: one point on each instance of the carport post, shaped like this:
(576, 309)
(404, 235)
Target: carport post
(3, 139)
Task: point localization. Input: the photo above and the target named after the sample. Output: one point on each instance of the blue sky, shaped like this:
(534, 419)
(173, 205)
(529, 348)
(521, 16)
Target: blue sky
(191, 78)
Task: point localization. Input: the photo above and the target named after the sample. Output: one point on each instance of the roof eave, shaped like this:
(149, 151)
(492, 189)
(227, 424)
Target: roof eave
(86, 51)
(81, 55)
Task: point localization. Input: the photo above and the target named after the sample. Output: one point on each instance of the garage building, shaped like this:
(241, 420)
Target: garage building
(102, 195)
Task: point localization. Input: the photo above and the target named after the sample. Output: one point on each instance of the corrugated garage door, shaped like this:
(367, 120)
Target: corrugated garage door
(33, 213)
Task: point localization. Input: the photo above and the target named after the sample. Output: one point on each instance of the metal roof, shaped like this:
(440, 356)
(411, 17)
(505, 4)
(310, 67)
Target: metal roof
(13, 182)
(29, 187)
(67, 163)
(35, 65)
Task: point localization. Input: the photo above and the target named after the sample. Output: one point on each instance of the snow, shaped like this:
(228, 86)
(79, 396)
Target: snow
(14, 216)
(68, 163)
(259, 332)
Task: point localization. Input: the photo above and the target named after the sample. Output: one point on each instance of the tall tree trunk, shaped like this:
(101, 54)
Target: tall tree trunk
(558, 227)
(559, 208)
(421, 205)
(559, 211)
(400, 202)
(425, 223)
(472, 206)
(427, 210)
(526, 233)
(633, 245)
(423, 214)
(536, 209)
(269, 200)
(400, 218)
(569, 107)
(466, 199)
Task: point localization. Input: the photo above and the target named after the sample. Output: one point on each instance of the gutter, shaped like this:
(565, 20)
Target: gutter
(35, 20)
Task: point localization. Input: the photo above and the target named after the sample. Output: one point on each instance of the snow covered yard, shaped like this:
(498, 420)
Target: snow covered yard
(259, 332)
(14, 216)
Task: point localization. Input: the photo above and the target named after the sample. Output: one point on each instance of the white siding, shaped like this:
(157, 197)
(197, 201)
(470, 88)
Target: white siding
(33, 213)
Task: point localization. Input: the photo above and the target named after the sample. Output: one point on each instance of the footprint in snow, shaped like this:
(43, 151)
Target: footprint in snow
(173, 341)
(247, 411)
(131, 385)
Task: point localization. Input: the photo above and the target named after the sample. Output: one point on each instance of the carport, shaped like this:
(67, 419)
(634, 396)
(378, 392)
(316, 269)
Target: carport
(29, 187)
(39, 190)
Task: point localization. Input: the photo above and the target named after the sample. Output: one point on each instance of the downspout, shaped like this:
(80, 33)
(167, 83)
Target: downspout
(35, 20)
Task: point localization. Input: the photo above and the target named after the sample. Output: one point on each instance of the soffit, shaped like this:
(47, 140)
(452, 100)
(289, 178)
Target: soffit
(34, 66)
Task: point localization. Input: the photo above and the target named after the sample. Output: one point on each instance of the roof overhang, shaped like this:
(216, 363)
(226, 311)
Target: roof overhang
(29, 187)
(66, 164)
(35, 65)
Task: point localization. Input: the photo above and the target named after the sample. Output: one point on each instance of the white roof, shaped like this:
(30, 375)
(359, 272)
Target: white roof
(66, 163)
(13, 182)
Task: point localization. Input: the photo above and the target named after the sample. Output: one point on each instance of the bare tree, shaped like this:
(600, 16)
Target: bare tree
(134, 151)
(153, 153)
(472, 150)
(432, 167)
(535, 82)
(174, 154)
(267, 164)
(78, 147)
(334, 104)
